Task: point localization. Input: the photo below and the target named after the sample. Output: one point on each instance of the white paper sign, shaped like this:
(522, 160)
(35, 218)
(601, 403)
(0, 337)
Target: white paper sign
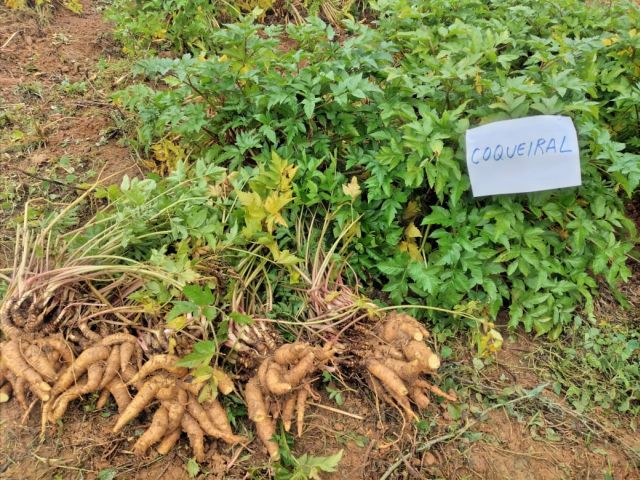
(523, 155)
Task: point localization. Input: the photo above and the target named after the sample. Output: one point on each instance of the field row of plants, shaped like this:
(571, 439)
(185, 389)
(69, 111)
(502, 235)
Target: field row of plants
(182, 25)
(309, 189)
(372, 121)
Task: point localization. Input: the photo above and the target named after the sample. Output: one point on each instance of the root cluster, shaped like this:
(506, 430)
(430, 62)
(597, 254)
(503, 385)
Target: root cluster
(280, 389)
(105, 367)
(178, 410)
(394, 355)
(248, 343)
(48, 368)
(32, 366)
(59, 347)
(400, 358)
(112, 366)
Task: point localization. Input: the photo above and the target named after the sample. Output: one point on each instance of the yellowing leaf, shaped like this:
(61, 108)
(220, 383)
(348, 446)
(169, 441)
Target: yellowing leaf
(177, 323)
(74, 6)
(275, 203)
(411, 211)
(478, 83)
(282, 171)
(15, 4)
(160, 34)
(249, 199)
(254, 212)
(168, 154)
(412, 231)
(287, 176)
(490, 342)
(208, 392)
(352, 188)
(331, 296)
(215, 190)
(352, 231)
(172, 346)
(294, 276)
(286, 258)
(202, 373)
(411, 248)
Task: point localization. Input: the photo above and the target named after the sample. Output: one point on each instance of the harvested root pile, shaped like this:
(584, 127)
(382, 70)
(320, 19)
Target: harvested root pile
(394, 354)
(85, 358)
(47, 368)
(67, 287)
(104, 367)
(179, 409)
(281, 388)
(32, 366)
(112, 366)
(398, 361)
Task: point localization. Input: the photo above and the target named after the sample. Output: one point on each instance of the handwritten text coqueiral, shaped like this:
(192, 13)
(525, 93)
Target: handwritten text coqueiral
(531, 148)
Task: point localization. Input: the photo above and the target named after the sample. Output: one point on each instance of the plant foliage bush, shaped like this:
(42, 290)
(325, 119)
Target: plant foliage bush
(186, 25)
(181, 25)
(599, 366)
(374, 125)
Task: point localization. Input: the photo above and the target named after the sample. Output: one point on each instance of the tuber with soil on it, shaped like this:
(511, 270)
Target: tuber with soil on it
(33, 366)
(97, 369)
(109, 365)
(179, 409)
(280, 388)
(397, 357)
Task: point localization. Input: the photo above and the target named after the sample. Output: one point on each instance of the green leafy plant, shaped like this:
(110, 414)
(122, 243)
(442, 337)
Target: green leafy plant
(334, 393)
(107, 474)
(73, 88)
(597, 367)
(193, 469)
(199, 305)
(376, 122)
(177, 24)
(201, 356)
(186, 25)
(305, 467)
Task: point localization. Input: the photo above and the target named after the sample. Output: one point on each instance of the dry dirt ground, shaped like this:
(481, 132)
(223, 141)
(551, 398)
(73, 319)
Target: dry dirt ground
(58, 131)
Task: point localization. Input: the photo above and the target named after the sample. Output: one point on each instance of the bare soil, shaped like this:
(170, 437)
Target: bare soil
(57, 128)
(537, 437)
(508, 442)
